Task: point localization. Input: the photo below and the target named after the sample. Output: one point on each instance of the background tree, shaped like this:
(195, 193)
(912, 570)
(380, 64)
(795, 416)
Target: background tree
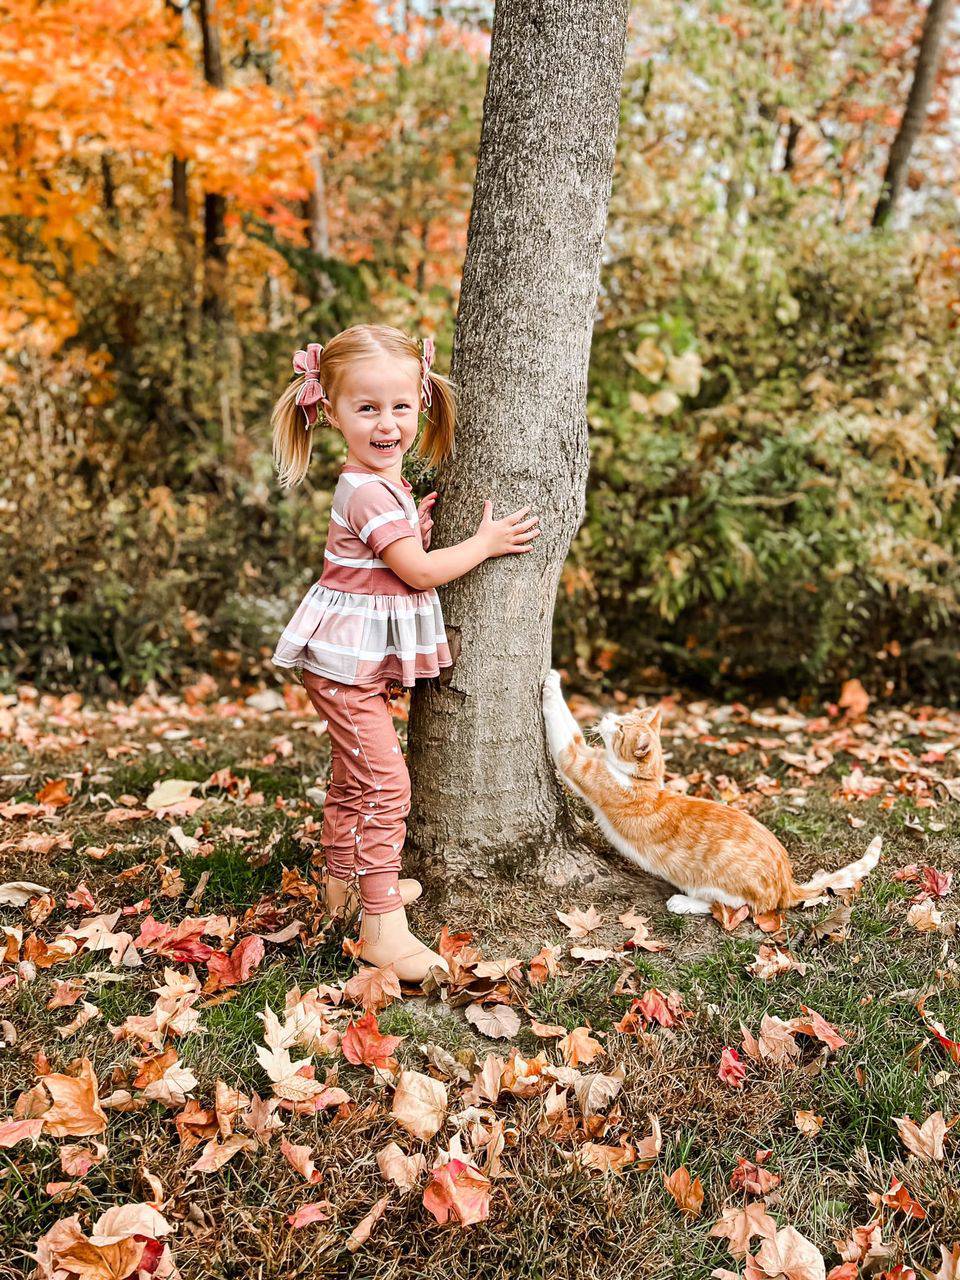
(914, 115)
(484, 787)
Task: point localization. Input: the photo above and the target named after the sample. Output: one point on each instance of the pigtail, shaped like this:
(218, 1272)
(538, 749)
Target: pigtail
(291, 440)
(437, 441)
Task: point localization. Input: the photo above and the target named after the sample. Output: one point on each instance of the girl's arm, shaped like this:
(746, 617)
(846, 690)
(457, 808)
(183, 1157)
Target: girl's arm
(510, 535)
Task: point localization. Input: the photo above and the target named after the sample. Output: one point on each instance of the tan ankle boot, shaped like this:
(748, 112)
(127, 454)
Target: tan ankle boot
(386, 940)
(343, 899)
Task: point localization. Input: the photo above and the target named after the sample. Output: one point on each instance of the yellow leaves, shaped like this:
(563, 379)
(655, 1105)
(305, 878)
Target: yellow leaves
(419, 1104)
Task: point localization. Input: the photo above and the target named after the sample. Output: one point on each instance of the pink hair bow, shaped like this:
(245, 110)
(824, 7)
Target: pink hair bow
(426, 386)
(311, 393)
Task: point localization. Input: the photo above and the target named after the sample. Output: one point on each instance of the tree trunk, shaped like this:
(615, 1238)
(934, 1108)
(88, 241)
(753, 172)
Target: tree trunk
(486, 796)
(915, 113)
(214, 204)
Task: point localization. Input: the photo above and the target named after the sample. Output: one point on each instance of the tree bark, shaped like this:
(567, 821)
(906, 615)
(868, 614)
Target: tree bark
(485, 792)
(915, 112)
(214, 204)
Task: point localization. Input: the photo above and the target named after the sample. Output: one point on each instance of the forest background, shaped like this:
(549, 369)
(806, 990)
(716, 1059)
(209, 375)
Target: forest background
(189, 192)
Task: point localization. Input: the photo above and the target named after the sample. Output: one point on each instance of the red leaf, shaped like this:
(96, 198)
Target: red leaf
(363, 1044)
(732, 1071)
(230, 970)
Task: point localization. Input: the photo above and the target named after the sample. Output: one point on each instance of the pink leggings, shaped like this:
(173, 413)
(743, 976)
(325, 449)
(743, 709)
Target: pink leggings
(368, 798)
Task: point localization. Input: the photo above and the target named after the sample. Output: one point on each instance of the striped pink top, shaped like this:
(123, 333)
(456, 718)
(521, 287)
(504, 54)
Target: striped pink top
(361, 623)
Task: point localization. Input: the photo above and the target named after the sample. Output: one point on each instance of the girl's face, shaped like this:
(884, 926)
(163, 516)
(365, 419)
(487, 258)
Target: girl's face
(375, 408)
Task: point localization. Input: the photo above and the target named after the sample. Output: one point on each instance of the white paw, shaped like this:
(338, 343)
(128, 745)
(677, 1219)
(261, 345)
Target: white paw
(681, 905)
(551, 686)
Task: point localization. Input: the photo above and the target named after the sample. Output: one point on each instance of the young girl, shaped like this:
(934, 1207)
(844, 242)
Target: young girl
(373, 620)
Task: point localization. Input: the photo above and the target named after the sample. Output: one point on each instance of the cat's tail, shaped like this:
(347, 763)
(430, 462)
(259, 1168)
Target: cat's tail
(845, 878)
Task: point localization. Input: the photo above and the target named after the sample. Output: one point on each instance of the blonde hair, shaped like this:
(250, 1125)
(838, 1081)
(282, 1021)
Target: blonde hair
(292, 442)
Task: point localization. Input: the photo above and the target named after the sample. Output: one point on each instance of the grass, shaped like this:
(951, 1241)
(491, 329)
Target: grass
(549, 1219)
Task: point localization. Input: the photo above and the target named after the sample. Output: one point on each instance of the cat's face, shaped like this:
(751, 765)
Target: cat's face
(632, 742)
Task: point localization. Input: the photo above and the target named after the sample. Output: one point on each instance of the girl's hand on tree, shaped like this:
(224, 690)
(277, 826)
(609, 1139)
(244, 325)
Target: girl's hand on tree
(425, 512)
(510, 535)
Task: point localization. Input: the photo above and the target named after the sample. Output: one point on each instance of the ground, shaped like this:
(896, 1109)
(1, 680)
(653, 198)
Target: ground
(75, 781)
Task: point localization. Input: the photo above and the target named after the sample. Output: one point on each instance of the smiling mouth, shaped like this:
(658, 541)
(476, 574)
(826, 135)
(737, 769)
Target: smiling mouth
(384, 445)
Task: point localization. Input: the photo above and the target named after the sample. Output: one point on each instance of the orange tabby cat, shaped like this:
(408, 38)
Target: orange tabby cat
(712, 853)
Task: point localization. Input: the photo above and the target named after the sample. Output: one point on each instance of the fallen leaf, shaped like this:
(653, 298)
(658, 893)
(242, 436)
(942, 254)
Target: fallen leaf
(814, 1025)
(730, 918)
(361, 1232)
(76, 1110)
(301, 1159)
(739, 1226)
(459, 1190)
(14, 1131)
(686, 1192)
(808, 1123)
(898, 1198)
(579, 1046)
(402, 1170)
(732, 1072)
(373, 989)
(547, 1030)
(792, 1255)
(925, 1140)
(363, 1044)
(318, 1211)
(771, 962)
(17, 893)
(604, 1158)
(497, 1022)
(592, 955)
(580, 923)
(419, 1104)
(216, 1154)
(230, 970)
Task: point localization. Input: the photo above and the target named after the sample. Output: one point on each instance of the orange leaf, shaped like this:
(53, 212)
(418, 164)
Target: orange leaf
(688, 1194)
(363, 1044)
(76, 1110)
(373, 989)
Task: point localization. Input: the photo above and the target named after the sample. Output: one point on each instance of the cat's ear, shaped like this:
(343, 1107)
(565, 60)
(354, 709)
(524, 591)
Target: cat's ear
(653, 716)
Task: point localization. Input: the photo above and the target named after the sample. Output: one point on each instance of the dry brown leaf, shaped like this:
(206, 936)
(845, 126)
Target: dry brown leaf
(925, 1140)
(419, 1104)
(373, 989)
(76, 1110)
(808, 1123)
(580, 923)
(497, 1022)
(687, 1192)
(739, 1226)
(301, 1159)
(402, 1170)
(606, 1159)
(361, 1232)
(579, 1046)
(216, 1154)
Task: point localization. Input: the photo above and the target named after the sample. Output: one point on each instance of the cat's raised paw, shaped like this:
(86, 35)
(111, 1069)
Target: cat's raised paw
(680, 905)
(552, 682)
